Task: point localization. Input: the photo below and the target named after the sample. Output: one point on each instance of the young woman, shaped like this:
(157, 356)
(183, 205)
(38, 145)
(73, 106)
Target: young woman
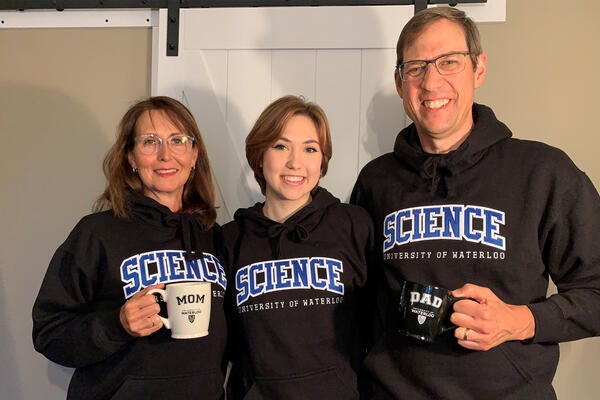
(158, 224)
(298, 267)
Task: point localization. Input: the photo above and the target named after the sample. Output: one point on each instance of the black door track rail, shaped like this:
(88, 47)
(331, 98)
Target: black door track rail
(173, 7)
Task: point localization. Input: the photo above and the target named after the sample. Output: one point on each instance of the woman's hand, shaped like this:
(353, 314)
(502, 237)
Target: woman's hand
(139, 314)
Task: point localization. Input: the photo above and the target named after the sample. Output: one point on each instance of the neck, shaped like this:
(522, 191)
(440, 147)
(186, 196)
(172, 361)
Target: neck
(173, 203)
(280, 211)
(441, 146)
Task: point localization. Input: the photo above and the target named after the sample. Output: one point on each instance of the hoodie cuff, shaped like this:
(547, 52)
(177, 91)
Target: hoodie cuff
(114, 333)
(549, 322)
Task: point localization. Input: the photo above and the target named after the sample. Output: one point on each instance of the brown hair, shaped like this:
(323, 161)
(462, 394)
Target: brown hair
(271, 123)
(424, 18)
(198, 193)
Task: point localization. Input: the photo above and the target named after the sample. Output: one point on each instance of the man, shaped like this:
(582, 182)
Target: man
(460, 204)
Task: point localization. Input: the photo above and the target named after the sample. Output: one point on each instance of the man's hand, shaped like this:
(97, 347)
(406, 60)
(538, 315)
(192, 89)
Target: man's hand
(488, 321)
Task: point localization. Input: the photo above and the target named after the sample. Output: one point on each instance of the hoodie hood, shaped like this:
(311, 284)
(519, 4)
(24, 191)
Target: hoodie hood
(296, 228)
(440, 170)
(148, 210)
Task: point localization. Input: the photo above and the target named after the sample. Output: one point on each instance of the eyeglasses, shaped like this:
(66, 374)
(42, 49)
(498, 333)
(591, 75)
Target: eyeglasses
(150, 143)
(446, 64)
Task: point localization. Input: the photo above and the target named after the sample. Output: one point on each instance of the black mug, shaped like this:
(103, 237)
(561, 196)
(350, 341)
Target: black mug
(425, 310)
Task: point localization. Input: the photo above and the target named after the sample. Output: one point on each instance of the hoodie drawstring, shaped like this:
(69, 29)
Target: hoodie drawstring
(440, 176)
(277, 232)
(186, 221)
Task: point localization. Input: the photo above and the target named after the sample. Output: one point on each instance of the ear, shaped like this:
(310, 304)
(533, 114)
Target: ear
(131, 160)
(481, 70)
(398, 82)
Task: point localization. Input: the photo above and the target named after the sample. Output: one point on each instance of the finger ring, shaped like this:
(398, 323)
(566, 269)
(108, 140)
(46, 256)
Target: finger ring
(466, 333)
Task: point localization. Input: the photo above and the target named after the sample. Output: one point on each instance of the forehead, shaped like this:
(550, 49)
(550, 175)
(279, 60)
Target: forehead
(300, 128)
(155, 121)
(442, 36)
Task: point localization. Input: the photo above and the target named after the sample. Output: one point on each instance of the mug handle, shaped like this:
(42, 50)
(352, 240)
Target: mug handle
(450, 325)
(163, 294)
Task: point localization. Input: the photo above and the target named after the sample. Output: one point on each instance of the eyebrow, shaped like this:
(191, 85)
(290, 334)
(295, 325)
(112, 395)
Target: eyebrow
(438, 56)
(155, 134)
(305, 142)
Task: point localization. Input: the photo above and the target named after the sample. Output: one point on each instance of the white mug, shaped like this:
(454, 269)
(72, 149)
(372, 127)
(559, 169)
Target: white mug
(188, 306)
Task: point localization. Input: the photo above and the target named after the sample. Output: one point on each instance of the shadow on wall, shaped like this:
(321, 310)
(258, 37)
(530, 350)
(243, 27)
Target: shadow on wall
(235, 183)
(385, 111)
(51, 174)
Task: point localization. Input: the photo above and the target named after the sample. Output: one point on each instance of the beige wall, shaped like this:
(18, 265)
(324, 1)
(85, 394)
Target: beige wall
(62, 92)
(543, 79)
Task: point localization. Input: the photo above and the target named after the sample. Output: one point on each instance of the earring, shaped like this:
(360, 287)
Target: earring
(134, 170)
(193, 167)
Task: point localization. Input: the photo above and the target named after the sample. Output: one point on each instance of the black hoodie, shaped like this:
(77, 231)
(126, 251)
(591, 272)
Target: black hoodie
(105, 261)
(497, 212)
(297, 290)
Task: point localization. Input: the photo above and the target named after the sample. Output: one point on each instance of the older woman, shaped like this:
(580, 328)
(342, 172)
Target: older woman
(154, 221)
(298, 267)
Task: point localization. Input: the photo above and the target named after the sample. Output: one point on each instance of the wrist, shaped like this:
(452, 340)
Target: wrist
(526, 323)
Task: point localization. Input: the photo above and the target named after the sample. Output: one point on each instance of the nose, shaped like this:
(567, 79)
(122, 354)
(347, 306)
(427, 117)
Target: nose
(164, 152)
(431, 78)
(293, 158)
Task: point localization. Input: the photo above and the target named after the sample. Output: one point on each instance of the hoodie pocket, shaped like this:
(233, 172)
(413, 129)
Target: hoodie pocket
(206, 385)
(513, 360)
(328, 383)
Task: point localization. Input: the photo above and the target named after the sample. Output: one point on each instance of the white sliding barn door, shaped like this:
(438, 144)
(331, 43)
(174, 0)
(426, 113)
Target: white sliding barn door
(233, 62)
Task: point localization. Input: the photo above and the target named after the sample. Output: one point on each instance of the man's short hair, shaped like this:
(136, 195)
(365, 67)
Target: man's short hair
(417, 24)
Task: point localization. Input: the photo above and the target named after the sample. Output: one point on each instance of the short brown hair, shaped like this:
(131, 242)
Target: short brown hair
(417, 24)
(271, 123)
(198, 193)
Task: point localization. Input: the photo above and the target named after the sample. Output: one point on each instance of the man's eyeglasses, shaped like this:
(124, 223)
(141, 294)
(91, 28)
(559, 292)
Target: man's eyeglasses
(150, 143)
(446, 64)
